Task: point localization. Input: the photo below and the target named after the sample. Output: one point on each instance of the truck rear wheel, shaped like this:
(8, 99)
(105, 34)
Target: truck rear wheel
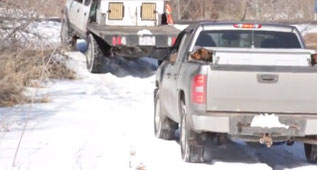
(192, 148)
(94, 55)
(311, 153)
(164, 128)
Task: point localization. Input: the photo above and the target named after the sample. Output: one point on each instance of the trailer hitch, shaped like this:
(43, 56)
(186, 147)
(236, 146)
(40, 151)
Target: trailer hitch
(266, 139)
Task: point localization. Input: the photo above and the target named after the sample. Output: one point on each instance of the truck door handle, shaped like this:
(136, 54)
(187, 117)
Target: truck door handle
(78, 10)
(84, 13)
(168, 74)
(175, 76)
(267, 78)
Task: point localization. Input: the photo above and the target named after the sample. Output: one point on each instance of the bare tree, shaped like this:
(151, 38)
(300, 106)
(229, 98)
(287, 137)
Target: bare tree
(260, 10)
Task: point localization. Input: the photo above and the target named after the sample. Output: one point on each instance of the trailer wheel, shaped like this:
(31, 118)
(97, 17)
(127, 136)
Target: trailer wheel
(94, 55)
(311, 153)
(164, 128)
(67, 40)
(192, 148)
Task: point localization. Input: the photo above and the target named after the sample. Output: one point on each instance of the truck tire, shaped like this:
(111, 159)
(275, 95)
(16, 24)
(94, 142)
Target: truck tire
(164, 128)
(94, 55)
(311, 153)
(67, 40)
(192, 148)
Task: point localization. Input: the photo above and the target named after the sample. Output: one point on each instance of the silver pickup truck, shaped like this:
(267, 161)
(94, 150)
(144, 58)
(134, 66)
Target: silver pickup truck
(255, 82)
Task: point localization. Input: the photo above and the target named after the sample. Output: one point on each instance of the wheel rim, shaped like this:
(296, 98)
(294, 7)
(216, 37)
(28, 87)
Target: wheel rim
(89, 55)
(64, 33)
(157, 118)
(183, 138)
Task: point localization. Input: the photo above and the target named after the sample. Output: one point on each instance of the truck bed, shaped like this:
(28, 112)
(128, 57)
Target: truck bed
(262, 81)
(130, 30)
(148, 36)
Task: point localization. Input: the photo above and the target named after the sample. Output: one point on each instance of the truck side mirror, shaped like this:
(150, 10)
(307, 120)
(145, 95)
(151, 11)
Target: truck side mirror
(173, 57)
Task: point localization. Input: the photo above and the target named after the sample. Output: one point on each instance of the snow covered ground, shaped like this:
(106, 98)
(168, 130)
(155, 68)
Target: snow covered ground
(105, 121)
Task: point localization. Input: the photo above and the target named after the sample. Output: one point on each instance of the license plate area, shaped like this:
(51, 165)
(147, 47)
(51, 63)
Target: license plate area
(147, 41)
(241, 125)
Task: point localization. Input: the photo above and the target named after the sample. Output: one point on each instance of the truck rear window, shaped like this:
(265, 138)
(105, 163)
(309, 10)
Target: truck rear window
(248, 39)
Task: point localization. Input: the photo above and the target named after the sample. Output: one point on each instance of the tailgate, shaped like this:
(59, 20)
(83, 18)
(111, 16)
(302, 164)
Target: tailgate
(246, 87)
(253, 90)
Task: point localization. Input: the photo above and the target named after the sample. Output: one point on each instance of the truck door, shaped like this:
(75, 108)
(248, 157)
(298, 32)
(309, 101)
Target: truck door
(74, 10)
(173, 71)
(165, 94)
(84, 14)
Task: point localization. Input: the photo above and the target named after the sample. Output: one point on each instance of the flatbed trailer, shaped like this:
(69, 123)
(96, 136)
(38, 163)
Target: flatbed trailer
(126, 28)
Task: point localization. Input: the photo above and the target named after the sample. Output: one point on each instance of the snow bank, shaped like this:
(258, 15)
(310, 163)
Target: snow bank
(267, 121)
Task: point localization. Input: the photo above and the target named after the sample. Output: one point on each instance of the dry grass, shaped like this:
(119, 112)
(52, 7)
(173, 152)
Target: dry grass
(19, 68)
(311, 41)
(48, 8)
(23, 61)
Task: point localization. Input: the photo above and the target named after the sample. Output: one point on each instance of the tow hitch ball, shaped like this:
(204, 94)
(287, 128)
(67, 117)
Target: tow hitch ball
(266, 139)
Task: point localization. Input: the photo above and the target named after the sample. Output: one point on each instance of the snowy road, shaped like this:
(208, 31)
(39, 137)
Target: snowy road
(105, 121)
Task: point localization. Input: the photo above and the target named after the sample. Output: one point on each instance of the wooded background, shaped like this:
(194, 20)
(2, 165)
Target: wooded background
(240, 10)
(222, 10)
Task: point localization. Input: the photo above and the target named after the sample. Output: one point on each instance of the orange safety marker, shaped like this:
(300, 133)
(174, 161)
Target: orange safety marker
(169, 14)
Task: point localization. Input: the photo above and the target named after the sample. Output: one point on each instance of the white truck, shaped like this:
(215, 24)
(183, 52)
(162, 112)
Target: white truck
(255, 82)
(127, 28)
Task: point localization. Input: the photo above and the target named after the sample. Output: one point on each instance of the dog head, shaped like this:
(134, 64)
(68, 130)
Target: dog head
(202, 54)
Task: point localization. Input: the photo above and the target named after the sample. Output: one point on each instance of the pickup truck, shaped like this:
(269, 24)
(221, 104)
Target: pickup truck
(254, 82)
(127, 28)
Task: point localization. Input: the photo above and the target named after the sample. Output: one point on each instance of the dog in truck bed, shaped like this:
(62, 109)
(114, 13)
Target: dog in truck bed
(202, 54)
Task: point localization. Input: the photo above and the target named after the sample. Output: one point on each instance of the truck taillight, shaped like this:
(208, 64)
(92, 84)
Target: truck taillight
(199, 89)
(118, 41)
(247, 26)
(314, 59)
(174, 40)
(171, 41)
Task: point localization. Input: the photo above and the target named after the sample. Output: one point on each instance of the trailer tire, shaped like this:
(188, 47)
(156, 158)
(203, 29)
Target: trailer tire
(94, 55)
(311, 153)
(164, 128)
(192, 148)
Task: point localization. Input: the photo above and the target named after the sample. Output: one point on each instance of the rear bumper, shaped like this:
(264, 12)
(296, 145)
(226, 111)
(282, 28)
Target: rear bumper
(160, 35)
(238, 124)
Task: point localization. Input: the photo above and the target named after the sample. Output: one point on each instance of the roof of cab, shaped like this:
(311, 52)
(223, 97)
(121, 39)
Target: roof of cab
(196, 24)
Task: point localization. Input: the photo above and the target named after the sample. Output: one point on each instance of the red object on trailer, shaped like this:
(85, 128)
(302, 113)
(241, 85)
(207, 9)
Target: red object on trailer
(169, 14)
